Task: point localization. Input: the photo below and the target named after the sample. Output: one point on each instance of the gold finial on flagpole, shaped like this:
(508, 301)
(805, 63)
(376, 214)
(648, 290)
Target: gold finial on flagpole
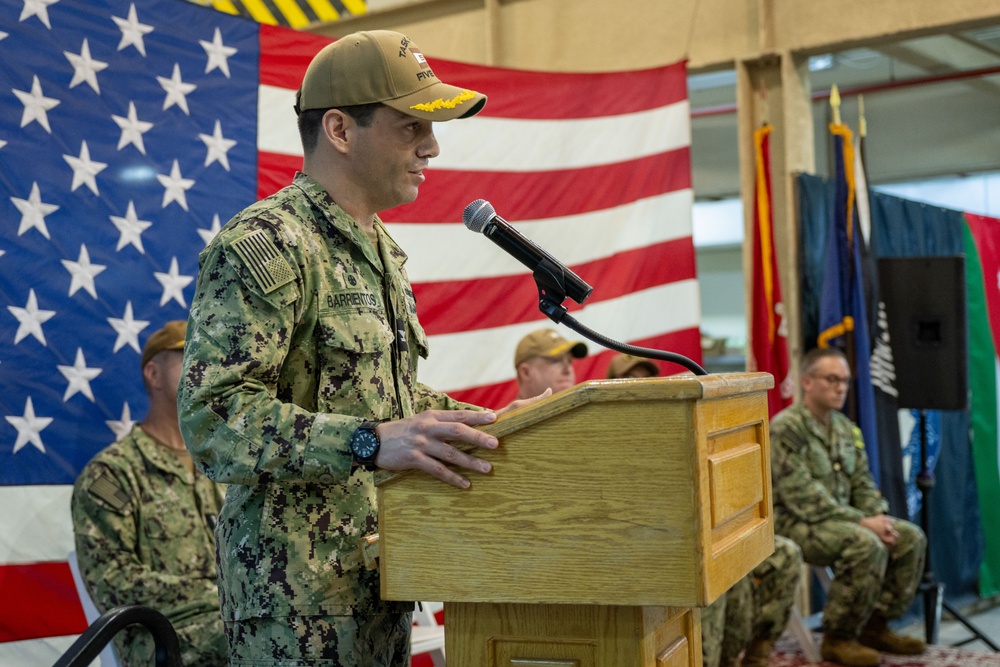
(835, 104)
(862, 124)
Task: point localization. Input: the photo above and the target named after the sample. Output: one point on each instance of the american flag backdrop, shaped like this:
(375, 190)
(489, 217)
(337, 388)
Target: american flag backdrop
(129, 131)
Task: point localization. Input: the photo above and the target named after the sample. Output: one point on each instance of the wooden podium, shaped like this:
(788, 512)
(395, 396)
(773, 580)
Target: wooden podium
(613, 509)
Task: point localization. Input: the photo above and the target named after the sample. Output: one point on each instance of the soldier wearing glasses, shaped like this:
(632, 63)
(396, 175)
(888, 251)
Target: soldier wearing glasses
(825, 500)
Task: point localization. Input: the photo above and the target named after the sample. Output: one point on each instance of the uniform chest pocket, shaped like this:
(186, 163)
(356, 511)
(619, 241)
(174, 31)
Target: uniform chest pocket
(165, 521)
(819, 462)
(358, 331)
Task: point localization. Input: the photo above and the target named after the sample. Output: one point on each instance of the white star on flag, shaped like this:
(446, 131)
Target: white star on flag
(132, 31)
(218, 146)
(128, 329)
(176, 90)
(132, 129)
(85, 68)
(85, 170)
(173, 284)
(39, 8)
(33, 211)
(79, 377)
(2, 143)
(208, 234)
(36, 105)
(130, 228)
(30, 319)
(175, 186)
(121, 427)
(83, 273)
(218, 53)
(29, 427)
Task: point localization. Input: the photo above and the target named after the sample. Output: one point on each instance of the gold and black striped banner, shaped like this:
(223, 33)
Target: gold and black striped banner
(289, 13)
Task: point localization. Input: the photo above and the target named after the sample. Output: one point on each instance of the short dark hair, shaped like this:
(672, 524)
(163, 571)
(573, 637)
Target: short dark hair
(311, 120)
(813, 356)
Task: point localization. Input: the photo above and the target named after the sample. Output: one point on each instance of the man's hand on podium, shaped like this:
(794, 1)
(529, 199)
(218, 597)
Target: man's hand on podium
(423, 442)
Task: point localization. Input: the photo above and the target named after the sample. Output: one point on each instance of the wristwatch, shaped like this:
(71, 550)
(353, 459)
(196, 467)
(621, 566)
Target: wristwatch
(365, 445)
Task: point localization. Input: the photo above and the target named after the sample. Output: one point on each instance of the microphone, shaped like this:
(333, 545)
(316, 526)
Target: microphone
(480, 217)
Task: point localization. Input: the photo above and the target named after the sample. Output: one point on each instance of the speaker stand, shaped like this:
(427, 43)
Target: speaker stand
(933, 590)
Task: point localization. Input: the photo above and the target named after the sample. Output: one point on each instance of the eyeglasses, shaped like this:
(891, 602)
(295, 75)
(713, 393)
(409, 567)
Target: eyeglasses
(834, 380)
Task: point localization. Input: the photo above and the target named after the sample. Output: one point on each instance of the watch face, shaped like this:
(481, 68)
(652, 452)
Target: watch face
(364, 444)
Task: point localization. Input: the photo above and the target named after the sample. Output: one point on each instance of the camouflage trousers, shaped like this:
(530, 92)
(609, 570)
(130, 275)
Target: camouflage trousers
(868, 576)
(379, 639)
(202, 642)
(756, 607)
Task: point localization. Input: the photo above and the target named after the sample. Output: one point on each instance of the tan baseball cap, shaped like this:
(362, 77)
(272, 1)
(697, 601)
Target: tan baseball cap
(547, 343)
(382, 66)
(623, 363)
(170, 337)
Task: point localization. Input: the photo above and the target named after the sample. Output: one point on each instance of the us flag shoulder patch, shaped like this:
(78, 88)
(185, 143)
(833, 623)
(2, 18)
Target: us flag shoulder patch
(262, 259)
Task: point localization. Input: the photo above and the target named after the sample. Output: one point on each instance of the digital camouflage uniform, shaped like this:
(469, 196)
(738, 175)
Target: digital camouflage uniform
(143, 527)
(822, 489)
(299, 331)
(757, 606)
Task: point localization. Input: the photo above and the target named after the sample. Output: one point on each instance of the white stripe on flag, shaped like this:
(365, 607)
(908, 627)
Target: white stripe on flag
(38, 651)
(512, 145)
(40, 529)
(570, 239)
(639, 315)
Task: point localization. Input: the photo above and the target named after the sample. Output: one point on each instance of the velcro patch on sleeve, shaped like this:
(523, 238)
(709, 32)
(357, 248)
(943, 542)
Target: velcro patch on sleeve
(109, 492)
(263, 261)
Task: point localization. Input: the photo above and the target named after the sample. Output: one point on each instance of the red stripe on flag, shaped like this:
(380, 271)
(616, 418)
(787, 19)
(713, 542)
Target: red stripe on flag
(275, 171)
(611, 277)
(546, 194)
(39, 600)
(566, 95)
(445, 193)
(285, 54)
(593, 367)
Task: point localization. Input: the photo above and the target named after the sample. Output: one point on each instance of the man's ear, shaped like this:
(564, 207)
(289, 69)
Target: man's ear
(151, 373)
(337, 127)
(522, 371)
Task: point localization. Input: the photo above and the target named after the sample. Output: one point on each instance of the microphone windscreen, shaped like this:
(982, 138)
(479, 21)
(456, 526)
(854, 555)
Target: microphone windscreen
(477, 214)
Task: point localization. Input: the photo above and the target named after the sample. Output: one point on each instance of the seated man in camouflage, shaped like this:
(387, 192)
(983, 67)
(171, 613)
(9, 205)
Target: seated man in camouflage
(751, 615)
(144, 519)
(825, 499)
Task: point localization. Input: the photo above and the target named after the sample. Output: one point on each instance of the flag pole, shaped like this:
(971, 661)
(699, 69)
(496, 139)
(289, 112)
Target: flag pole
(835, 104)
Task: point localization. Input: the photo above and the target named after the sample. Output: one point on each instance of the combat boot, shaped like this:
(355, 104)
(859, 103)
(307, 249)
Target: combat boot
(847, 651)
(758, 653)
(878, 635)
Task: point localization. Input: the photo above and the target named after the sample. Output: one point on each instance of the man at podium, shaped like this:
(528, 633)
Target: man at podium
(300, 367)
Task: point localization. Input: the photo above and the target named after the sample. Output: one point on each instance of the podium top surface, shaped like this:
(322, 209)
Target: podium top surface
(676, 388)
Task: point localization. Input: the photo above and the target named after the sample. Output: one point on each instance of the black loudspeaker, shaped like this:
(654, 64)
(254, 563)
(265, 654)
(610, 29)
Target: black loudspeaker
(925, 307)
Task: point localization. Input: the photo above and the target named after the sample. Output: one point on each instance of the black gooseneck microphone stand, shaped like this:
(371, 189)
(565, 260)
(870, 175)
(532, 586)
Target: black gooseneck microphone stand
(549, 279)
(932, 589)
